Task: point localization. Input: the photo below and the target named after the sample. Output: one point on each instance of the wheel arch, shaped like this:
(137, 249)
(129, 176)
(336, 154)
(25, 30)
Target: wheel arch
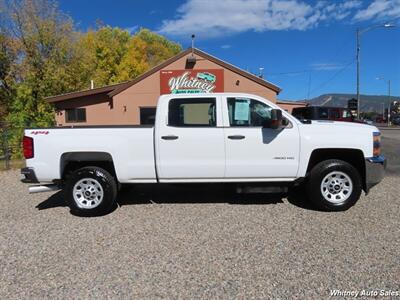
(353, 156)
(72, 161)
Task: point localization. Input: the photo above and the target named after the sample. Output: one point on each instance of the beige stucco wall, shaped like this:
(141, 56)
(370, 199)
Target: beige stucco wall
(145, 93)
(98, 110)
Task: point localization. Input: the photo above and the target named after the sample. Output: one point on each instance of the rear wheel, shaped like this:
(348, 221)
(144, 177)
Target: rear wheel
(334, 185)
(91, 191)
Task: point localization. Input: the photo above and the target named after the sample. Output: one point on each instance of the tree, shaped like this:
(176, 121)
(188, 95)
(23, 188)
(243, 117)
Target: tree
(146, 49)
(46, 62)
(104, 50)
(7, 58)
(114, 56)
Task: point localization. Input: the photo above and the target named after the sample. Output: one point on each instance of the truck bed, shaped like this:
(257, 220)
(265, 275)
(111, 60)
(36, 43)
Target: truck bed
(131, 149)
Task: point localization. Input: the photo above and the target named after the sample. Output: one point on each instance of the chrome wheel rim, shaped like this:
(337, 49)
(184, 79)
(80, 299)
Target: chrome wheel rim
(336, 187)
(88, 193)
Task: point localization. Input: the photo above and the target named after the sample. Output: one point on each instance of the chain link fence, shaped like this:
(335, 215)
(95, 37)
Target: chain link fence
(10, 144)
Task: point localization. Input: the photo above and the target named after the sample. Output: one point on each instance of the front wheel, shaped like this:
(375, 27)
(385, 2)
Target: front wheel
(91, 191)
(334, 185)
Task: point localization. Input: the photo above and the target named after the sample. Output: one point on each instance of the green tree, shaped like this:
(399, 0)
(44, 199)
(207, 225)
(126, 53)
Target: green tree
(146, 49)
(7, 58)
(112, 55)
(103, 51)
(45, 41)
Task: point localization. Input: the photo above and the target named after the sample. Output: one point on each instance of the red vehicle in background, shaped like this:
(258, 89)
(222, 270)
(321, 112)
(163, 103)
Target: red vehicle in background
(324, 113)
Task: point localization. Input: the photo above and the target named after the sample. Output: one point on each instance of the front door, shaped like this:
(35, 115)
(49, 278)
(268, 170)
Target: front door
(190, 143)
(254, 152)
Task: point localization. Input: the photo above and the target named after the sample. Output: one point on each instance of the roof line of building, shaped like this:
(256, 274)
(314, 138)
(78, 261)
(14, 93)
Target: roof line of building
(205, 55)
(149, 72)
(235, 69)
(290, 102)
(95, 91)
(115, 89)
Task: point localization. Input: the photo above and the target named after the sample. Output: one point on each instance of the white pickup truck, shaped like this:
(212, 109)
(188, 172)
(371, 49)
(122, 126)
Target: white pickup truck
(222, 137)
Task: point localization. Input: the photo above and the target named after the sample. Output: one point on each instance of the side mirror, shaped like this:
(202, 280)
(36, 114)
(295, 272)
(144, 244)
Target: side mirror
(276, 119)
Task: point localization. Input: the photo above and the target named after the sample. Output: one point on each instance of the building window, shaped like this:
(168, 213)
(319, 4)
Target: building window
(75, 115)
(147, 115)
(192, 112)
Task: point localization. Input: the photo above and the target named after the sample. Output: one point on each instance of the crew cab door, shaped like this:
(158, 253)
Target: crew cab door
(190, 139)
(254, 152)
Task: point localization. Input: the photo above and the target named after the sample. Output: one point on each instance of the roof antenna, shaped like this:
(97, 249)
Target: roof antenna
(191, 59)
(193, 37)
(261, 75)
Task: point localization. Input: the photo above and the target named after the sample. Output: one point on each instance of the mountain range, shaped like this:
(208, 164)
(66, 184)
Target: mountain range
(368, 102)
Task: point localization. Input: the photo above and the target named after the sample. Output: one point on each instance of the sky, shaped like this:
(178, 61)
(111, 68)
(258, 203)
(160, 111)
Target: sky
(307, 48)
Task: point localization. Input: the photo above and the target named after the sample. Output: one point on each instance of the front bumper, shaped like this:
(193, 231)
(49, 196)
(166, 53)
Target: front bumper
(29, 175)
(374, 171)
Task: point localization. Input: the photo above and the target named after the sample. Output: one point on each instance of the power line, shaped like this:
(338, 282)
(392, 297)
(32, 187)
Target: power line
(333, 77)
(289, 73)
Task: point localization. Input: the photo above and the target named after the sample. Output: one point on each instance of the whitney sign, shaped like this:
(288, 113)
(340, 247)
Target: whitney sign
(191, 81)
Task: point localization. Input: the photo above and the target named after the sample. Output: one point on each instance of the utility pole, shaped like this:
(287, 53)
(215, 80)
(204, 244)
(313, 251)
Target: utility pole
(389, 96)
(358, 73)
(389, 103)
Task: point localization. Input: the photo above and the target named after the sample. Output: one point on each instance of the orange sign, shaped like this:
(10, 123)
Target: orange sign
(191, 81)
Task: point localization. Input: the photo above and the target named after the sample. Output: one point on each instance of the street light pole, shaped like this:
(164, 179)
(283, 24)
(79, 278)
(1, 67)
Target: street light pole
(358, 73)
(389, 103)
(389, 95)
(359, 32)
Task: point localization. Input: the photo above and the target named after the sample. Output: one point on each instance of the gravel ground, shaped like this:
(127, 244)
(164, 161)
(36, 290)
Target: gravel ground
(169, 244)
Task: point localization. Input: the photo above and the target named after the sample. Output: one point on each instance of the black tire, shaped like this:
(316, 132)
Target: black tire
(109, 187)
(317, 175)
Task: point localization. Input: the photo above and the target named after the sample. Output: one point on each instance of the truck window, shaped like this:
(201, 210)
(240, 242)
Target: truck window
(248, 112)
(334, 114)
(322, 113)
(346, 114)
(302, 113)
(147, 115)
(192, 112)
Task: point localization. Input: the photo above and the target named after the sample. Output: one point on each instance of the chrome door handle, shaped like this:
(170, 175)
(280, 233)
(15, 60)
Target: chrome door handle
(236, 137)
(169, 137)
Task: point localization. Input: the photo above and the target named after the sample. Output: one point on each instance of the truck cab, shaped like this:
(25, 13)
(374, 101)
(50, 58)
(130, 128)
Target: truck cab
(223, 137)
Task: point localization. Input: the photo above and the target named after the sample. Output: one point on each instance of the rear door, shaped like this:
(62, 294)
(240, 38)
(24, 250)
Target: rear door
(190, 141)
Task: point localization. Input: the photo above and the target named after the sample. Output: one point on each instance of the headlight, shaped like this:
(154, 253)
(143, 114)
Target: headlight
(377, 143)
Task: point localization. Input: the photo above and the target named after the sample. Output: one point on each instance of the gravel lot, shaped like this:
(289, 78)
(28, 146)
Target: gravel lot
(178, 243)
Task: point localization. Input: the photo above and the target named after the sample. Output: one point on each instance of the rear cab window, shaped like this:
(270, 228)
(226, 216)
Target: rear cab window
(192, 112)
